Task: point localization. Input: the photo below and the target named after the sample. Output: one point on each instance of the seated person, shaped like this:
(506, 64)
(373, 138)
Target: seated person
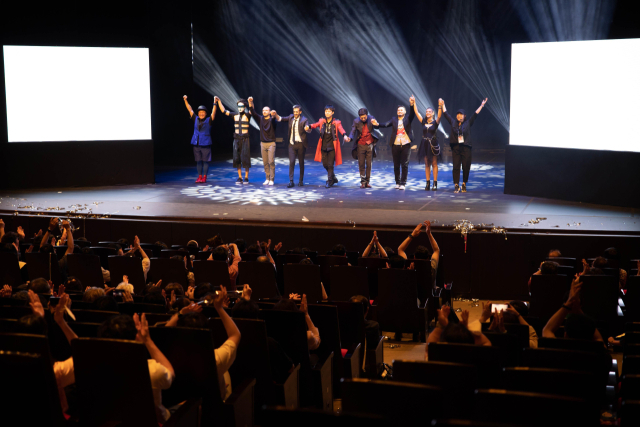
(457, 333)
(371, 327)
(313, 334)
(374, 249)
(577, 325)
(229, 254)
(546, 267)
(307, 261)
(160, 370)
(511, 315)
(225, 354)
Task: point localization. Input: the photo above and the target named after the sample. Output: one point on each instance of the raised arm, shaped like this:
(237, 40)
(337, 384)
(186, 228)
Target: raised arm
(412, 112)
(481, 105)
(222, 110)
(416, 112)
(444, 111)
(573, 303)
(186, 103)
(214, 109)
(143, 336)
(313, 334)
(403, 246)
(58, 316)
(70, 245)
(53, 223)
(440, 108)
(233, 333)
(434, 245)
(367, 250)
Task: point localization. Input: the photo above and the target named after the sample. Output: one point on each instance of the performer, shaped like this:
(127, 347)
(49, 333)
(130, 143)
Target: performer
(429, 150)
(364, 144)
(297, 138)
(328, 151)
(201, 139)
(241, 145)
(267, 121)
(460, 142)
(400, 142)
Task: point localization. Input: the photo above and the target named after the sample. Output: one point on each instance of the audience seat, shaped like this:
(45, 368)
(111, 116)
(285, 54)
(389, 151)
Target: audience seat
(43, 265)
(261, 277)
(113, 384)
(632, 299)
(348, 281)
(14, 312)
(169, 271)
(326, 262)
(132, 307)
(214, 272)
(599, 299)
(509, 344)
(131, 267)
(10, 270)
(583, 385)
(86, 268)
(487, 360)
(303, 279)
(399, 403)
(457, 380)
(548, 292)
(598, 364)
(373, 266)
(92, 316)
(398, 309)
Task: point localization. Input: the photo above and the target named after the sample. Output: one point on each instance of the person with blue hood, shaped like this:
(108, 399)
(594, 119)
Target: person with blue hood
(460, 142)
(201, 139)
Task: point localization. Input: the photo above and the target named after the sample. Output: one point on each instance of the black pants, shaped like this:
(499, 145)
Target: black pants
(328, 160)
(401, 155)
(241, 151)
(365, 157)
(461, 154)
(296, 151)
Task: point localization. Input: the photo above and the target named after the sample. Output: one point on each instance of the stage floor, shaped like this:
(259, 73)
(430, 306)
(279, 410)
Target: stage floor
(176, 196)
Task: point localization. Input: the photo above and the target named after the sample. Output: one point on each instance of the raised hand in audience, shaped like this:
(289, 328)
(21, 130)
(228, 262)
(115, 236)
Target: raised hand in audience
(190, 291)
(143, 336)
(107, 289)
(6, 291)
(303, 304)
(126, 296)
(497, 324)
(219, 300)
(246, 292)
(486, 312)
(20, 232)
(35, 304)
(443, 316)
(61, 290)
(465, 318)
(277, 247)
(157, 285)
(294, 296)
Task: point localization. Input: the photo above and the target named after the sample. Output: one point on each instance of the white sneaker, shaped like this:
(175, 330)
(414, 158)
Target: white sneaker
(401, 187)
(266, 182)
(270, 182)
(397, 186)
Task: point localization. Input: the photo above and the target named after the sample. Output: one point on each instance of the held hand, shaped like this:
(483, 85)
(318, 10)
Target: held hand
(412, 100)
(215, 99)
(375, 122)
(306, 128)
(250, 99)
(221, 296)
(440, 101)
(143, 328)
(273, 113)
(346, 138)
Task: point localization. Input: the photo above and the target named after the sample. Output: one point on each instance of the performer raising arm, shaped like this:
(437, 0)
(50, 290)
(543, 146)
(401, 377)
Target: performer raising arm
(267, 121)
(328, 151)
(201, 139)
(241, 145)
(429, 150)
(400, 142)
(460, 141)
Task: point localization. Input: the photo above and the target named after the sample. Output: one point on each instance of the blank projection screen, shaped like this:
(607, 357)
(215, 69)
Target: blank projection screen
(77, 93)
(583, 94)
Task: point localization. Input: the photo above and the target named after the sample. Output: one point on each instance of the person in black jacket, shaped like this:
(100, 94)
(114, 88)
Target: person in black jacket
(460, 141)
(364, 144)
(401, 142)
(429, 150)
(297, 142)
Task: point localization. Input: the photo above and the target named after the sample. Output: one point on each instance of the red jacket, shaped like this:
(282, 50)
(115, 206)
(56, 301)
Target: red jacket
(336, 144)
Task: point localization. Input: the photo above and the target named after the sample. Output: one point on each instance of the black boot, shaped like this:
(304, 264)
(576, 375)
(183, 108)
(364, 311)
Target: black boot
(435, 185)
(428, 187)
(291, 184)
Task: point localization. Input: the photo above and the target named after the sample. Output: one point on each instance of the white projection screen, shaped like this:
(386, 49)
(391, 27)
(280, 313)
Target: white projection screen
(77, 93)
(582, 94)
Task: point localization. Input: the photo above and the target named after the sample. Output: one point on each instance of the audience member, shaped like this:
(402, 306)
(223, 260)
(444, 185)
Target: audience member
(160, 370)
(92, 294)
(554, 253)
(457, 333)
(229, 254)
(374, 249)
(371, 327)
(313, 334)
(423, 252)
(512, 315)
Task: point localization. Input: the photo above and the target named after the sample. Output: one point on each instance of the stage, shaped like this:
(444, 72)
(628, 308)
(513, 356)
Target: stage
(175, 196)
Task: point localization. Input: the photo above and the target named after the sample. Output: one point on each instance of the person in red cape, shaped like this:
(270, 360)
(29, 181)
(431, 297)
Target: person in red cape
(328, 151)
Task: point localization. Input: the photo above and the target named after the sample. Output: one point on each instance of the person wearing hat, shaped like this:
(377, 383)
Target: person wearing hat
(201, 139)
(364, 144)
(328, 150)
(241, 144)
(429, 150)
(460, 141)
(400, 142)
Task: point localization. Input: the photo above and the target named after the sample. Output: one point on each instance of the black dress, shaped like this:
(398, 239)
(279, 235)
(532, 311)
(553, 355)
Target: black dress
(429, 146)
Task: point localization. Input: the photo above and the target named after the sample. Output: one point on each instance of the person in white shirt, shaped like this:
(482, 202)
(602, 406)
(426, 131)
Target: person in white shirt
(297, 142)
(401, 142)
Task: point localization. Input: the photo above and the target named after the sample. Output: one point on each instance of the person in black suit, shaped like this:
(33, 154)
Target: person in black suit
(297, 142)
(364, 144)
(401, 142)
